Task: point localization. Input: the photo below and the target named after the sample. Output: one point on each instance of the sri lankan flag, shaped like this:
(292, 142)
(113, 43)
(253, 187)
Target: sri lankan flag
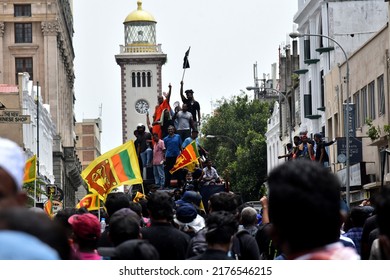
(30, 170)
(186, 157)
(117, 167)
(48, 207)
(90, 201)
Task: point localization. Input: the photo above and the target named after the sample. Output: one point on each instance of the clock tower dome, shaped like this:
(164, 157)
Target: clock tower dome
(140, 60)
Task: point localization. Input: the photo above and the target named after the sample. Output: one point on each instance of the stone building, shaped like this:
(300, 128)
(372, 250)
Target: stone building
(36, 37)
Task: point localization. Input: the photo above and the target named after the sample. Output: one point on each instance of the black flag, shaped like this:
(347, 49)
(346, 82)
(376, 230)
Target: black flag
(186, 64)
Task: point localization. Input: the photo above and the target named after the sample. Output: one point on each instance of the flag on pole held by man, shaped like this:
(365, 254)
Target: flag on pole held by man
(90, 201)
(117, 167)
(30, 170)
(186, 63)
(186, 157)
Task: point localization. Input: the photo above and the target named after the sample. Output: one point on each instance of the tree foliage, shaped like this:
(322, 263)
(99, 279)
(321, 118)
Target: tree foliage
(239, 147)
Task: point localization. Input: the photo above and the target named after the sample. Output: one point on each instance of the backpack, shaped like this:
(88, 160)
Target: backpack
(235, 251)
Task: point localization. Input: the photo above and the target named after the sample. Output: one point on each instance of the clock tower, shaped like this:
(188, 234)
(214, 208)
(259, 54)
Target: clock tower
(140, 60)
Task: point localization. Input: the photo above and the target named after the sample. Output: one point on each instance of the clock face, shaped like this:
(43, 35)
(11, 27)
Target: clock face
(142, 106)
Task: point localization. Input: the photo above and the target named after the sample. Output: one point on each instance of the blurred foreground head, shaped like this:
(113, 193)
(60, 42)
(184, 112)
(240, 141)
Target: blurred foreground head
(304, 206)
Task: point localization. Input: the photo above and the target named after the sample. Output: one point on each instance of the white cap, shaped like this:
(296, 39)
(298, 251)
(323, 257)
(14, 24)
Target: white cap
(12, 160)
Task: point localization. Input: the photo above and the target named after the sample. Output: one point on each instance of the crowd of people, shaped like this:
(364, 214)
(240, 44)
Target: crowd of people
(306, 148)
(302, 217)
(169, 132)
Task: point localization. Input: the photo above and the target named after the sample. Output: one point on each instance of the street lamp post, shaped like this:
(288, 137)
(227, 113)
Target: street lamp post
(222, 136)
(294, 35)
(280, 94)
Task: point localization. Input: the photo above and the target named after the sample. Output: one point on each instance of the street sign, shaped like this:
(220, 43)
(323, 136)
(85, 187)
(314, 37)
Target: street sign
(355, 150)
(14, 117)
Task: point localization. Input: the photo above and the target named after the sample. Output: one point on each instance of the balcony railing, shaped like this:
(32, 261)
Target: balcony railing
(140, 49)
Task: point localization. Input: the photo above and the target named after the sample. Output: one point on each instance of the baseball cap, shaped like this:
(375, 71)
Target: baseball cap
(12, 160)
(186, 213)
(189, 91)
(85, 226)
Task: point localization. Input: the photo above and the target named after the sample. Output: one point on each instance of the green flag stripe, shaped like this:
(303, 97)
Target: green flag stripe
(124, 155)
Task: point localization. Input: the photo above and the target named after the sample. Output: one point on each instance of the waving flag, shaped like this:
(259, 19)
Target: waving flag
(186, 63)
(90, 201)
(186, 157)
(30, 170)
(117, 167)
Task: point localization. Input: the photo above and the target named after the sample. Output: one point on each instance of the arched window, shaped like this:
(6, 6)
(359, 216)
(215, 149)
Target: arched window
(143, 79)
(149, 79)
(138, 79)
(133, 81)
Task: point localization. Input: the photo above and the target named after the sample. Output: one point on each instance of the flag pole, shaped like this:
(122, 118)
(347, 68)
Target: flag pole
(37, 160)
(184, 71)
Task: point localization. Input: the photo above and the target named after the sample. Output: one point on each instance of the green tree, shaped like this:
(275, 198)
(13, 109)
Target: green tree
(244, 155)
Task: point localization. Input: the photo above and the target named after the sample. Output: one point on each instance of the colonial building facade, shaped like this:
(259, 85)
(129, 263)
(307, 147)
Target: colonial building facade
(36, 37)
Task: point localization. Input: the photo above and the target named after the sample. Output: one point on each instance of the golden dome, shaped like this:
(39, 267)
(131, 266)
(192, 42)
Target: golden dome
(139, 15)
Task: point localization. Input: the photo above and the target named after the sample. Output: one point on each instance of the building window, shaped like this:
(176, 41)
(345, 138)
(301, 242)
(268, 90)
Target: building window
(133, 80)
(24, 64)
(149, 79)
(363, 95)
(381, 96)
(371, 100)
(358, 115)
(141, 79)
(23, 32)
(22, 10)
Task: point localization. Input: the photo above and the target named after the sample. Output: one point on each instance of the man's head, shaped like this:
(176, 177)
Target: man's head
(124, 225)
(317, 137)
(297, 140)
(224, 201)
(184, 108)
(189, 93)
(160, 206)
(248, 216)
(155, 137)
(160, 99)
(304, 198)
(171, 130)
(304, 138)
(140, 128)
(86, 230)
(116, 201)
(221, 226)
(12, 162)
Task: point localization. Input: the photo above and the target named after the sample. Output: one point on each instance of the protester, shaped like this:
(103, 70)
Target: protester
(220, 229)
(86, 233)
(170, 242)
(37, 224)
(304, 198)
(135, 249)
(158, 161)
(159, 116)
(188, 220)
(114, 202)
(172, 149)
(380, 249)
(185, 122)
(192, 105)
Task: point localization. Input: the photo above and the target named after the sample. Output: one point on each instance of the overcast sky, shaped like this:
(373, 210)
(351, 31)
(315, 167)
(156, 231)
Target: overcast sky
(226, 37)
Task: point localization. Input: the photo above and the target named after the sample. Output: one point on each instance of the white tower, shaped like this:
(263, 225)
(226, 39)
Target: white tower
(141, 60)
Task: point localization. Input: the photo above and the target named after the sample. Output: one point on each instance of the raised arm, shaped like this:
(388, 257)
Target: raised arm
(168, 97)
(183, 98)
